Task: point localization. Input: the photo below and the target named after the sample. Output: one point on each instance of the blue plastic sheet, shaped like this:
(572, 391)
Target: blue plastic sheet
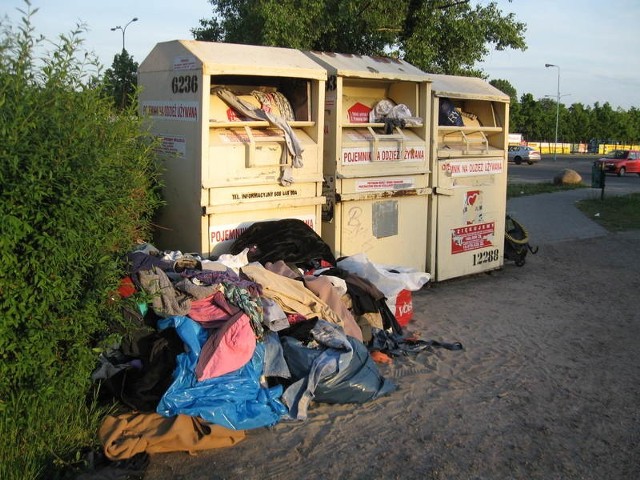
(236, 400)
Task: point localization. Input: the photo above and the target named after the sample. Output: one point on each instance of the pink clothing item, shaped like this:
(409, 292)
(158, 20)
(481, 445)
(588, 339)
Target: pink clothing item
(227, 349)
(325, 290)
(212, 310)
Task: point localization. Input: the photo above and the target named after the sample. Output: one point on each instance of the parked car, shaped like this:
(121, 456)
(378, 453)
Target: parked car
(621, 162)
(520, 153)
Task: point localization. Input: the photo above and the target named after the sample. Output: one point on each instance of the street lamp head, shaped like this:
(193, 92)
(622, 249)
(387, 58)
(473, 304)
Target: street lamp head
(124, 29)
(549, 65)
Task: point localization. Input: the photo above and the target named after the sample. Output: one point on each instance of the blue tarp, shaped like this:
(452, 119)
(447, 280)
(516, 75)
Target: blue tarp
(236, 400)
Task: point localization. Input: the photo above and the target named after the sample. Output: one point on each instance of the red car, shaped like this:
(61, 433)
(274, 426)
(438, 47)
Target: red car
(621, 162)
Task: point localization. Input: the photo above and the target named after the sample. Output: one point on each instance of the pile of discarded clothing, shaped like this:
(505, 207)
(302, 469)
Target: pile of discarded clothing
(248, 339)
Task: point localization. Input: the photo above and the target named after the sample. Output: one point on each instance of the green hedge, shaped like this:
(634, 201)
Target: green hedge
(76, 191)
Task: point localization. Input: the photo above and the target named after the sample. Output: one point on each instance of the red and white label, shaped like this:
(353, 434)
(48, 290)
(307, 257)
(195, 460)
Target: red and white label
(358, 155)
(472, 237)
(404, 307)
(473, 168)
(359, 113)
(187, 62)
(230, 232)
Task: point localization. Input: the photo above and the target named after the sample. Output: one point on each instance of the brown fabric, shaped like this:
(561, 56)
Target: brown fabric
(365, 321)
(325, 290)
(290, 294)
(126, 435)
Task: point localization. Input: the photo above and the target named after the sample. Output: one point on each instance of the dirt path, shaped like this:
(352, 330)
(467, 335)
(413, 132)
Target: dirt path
(547, 386)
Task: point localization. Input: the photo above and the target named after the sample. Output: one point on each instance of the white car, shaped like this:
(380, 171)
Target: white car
(521, 153)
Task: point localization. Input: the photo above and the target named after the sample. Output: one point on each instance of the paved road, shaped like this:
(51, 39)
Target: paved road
(547, 168)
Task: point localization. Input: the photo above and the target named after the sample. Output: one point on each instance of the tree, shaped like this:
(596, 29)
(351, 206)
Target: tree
(505, 87)
(547, 121)
(633, 125)
(121, 79)
(578, 122)
(439, 36)
(514, 107)
(604, 119)
(530, 118)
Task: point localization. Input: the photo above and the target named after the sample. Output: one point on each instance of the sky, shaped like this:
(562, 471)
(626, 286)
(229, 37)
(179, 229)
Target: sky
(595, 43)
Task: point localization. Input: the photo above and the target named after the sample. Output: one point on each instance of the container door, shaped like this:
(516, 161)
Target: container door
(470, 208)
(382, 217)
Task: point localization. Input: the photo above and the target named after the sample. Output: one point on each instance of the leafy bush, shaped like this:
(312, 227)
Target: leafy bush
(76, 191)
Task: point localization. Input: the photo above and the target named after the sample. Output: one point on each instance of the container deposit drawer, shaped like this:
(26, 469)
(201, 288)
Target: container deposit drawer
(364, 152)
(256, 155)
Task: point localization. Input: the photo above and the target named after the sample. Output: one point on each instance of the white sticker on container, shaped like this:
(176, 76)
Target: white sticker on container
(186, 62)
(229, 232)
(473, 168)
(172, 145)
(356, 155)
(380, 184)
(163, 110)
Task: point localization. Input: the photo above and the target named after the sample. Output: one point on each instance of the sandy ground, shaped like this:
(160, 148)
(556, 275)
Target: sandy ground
(547, 387)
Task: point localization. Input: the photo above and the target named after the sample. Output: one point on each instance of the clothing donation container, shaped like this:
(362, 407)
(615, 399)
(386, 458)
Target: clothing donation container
(240, 131)
(376, 150)
(469, 151)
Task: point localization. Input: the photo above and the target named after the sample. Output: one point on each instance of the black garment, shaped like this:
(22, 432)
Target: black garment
(448, 115)
(142, 389)
(137, 261)
(391, 123)
(301, 330)
(99, 467)
(395, 344)
(290, 240)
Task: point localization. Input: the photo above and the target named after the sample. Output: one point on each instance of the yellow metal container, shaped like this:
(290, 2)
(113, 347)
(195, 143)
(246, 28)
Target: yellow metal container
(225, 170)
(376, 168)
(467, 214)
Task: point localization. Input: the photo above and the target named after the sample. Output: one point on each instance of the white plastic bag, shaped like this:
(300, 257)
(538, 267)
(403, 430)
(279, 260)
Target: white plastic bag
(389, 279)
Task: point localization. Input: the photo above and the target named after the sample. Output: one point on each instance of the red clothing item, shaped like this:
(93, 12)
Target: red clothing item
(126, 288)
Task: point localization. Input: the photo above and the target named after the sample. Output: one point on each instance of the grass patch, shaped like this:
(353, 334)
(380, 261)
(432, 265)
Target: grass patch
(615, 213)
(43, 434)
(524, 189)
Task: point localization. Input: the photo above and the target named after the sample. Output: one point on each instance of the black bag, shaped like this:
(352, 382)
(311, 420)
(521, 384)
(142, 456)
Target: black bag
(448, 115)
(516, 242)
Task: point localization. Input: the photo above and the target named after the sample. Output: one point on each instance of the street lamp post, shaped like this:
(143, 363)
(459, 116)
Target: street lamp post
(555, 146)
(134, 19)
